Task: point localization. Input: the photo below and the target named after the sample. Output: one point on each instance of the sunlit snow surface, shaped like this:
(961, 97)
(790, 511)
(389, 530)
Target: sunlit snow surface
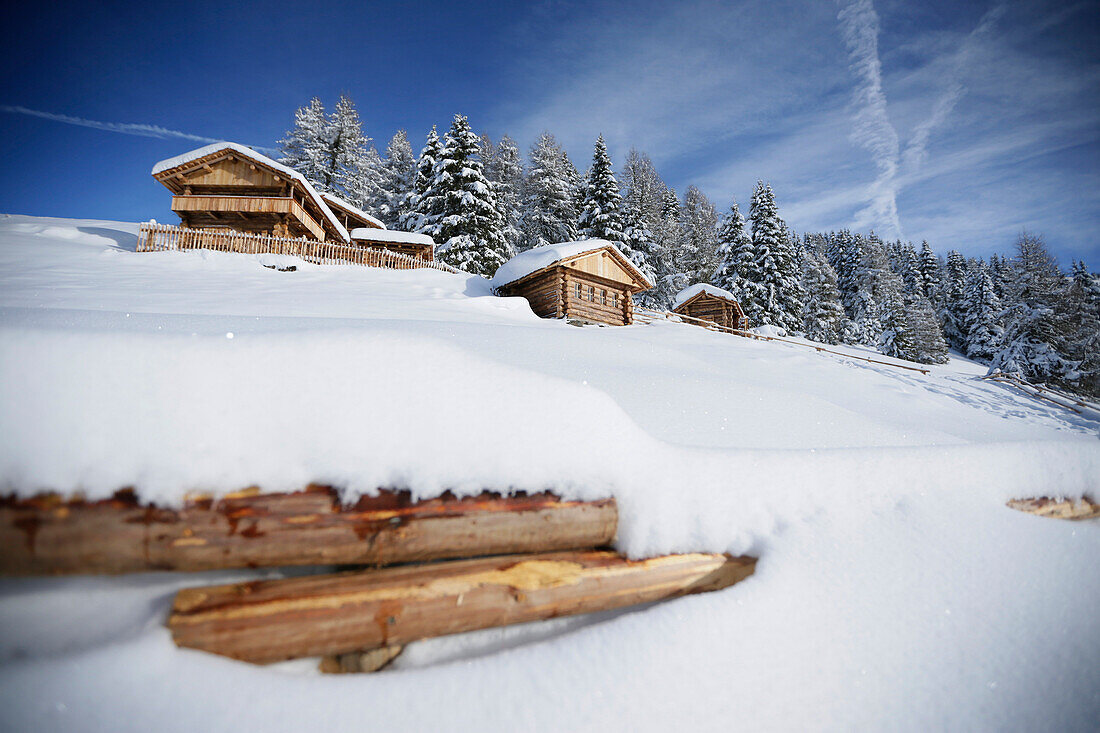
(894, 589)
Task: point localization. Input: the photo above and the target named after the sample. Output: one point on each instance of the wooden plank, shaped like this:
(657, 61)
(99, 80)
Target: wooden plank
(1085, 508)
(46, 535)
(273, 620)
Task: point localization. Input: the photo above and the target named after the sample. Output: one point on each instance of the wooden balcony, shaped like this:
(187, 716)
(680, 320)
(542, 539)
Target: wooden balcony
(247, 208)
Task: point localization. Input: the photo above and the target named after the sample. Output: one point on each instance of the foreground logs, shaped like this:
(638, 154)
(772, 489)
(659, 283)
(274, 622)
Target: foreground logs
(48, 535)
(1083, 508)
(273, 620)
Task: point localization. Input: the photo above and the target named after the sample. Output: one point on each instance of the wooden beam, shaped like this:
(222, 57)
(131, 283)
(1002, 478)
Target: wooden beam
(273, 620)
(48, 535)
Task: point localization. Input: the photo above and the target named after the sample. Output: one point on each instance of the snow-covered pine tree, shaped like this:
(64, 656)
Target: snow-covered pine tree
(601, 214)
(736, 260)
(952, 311)
(1083, 305)
(396, 179)
(981, 311)
(353, 160)
(929, 265)
(423, 207)
(671, 279)
(699, 224)
(928, 346)
(470, 227)
(774, 269)
(906, 264)
(1036, 327)
(822, 314)
(306, 146)
(641, 212)
(505, 171)
(547, 214)
(575, 182)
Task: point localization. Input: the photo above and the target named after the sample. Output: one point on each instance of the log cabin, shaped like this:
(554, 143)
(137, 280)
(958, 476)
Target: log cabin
(589, 281)
(709, 303)
(230, 186)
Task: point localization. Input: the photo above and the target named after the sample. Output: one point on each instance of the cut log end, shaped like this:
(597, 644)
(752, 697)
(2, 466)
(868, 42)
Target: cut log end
(359, 662)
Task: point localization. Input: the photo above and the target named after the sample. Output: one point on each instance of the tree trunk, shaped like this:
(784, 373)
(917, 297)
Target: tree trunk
(274, 620)
(46, 535)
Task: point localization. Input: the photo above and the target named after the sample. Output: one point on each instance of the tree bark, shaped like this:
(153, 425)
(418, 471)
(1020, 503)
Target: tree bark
(274, 620)
(47, 535)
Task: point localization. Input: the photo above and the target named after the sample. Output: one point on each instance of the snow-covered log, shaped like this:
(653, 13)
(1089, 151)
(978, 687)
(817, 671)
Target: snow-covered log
(47, 535)
(273, 620)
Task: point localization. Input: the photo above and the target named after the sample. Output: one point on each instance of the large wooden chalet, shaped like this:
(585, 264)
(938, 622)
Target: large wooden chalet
(589, 281)
(227, 186)
(709, 303)
(230, 186)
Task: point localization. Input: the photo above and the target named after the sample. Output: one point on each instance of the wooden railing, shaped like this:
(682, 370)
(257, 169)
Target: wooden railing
(648, 315)
(160, 237)
(1067, 401)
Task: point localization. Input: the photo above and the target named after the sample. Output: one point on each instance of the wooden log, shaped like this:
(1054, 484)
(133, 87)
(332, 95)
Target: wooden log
(1085, 508)
(274, 620)
(47, 535)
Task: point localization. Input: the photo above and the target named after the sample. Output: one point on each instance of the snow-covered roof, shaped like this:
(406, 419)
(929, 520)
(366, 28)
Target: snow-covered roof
(692, 290)
(391, 235)
(341, 203)
(247, 152)
(538, 258)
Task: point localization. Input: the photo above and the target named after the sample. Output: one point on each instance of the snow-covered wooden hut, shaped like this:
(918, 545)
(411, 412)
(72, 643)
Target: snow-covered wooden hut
(589, 281)
(230, 186)
(420, 246)
(708, 303)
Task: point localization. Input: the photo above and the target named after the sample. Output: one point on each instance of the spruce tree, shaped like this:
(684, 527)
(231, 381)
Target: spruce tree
(423, 207)
(306, 146)
(397, 175)
(547, 215)
(505, 171)
(641, 212)
(699, 224)
(470, 226)
(1036, 328)
(353, 162)
(736, 260)
(929, 266)
(601, 210)
(951, 313)
(822, 313)
(774, 269)
(1083, 306)
(981, 311)
(668, 236)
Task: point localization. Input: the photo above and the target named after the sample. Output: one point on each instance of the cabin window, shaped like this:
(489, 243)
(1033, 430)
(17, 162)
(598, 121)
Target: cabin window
(591, 293)
(614, 300)
(603, 297)
(577, 290)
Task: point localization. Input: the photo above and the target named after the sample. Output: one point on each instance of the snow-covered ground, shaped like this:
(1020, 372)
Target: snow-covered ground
(894, 589)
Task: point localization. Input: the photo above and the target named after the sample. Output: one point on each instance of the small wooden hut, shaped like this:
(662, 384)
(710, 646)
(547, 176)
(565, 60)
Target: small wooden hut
(420, 246)
(350, 216)
(589, 281)
(230, 186)
(709, 303)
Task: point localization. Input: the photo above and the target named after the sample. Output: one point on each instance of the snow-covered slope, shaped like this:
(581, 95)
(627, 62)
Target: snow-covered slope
(894, 588)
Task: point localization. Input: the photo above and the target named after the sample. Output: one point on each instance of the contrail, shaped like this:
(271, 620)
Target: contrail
(126, 128)
(915, 150)
(873, 129)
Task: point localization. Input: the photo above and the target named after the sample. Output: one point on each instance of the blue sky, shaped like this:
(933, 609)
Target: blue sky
(959, 123)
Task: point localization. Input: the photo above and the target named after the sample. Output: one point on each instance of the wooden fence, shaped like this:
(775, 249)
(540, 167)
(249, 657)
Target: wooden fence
(647, 315)
(160, 237)
(1065, 400)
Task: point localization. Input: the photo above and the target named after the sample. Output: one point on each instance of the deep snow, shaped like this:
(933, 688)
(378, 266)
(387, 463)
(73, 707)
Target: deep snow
(894, 589)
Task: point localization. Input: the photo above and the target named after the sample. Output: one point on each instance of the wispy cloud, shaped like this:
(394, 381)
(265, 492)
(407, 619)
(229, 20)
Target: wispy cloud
(125, 128)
